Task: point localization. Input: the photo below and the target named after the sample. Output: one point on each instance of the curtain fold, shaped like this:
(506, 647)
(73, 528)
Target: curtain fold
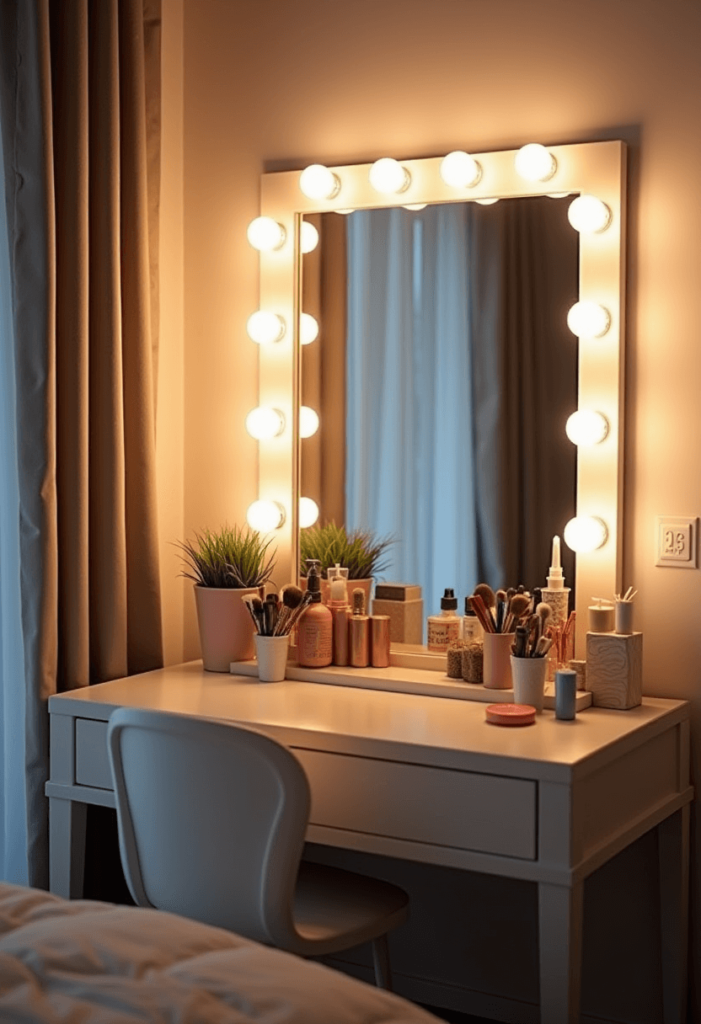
(80, 149)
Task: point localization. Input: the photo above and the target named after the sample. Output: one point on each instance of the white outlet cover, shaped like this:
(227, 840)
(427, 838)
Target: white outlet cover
(676, 541)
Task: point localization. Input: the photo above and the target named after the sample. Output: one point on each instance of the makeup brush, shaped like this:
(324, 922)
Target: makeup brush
(247, 602)
(270, 613)
(297, 612)
(516, 608)
(258, 614)
(482, 612)
(485, 593)
(291, 598)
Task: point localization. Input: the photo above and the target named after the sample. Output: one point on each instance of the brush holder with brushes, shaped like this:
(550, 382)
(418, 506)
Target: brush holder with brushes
(271, 654)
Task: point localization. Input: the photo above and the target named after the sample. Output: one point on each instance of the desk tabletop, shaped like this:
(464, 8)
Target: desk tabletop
(394, 726)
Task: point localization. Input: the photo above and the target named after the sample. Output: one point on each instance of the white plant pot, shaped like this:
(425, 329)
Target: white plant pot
(226, 627)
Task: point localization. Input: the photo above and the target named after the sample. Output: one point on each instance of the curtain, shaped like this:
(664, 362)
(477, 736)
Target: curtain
(79, 120)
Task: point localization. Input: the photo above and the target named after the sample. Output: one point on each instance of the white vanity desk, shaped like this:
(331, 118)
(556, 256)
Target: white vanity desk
(428, 780)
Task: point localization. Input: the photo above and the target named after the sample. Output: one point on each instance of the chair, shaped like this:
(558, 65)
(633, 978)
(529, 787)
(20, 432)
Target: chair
(212, 820)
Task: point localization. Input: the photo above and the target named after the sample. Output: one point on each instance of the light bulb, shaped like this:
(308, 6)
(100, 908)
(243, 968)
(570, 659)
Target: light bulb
(388, 176)
(308, 421)
(265, 516)
(460, 170)
(265, 422)
(308, 512)
(586, 427)
(585, 533)
(535, 163)
(266, 234)
(308, 237)
(588, 319)
(416, 206)
(318, 182)
(588, 214)
(265, 328)
(487, 202)
(308, 329)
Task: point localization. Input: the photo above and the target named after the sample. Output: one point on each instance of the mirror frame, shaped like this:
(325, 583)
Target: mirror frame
(596, 168)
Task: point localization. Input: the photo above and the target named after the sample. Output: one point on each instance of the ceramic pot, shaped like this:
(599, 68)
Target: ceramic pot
(497, 660)
(529, 681)
(226, 627)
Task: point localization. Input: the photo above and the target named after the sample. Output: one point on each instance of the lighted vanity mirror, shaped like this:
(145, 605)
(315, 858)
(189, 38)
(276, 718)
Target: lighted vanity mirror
(592, 175)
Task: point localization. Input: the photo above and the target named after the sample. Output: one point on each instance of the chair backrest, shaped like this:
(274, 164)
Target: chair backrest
(212, 819)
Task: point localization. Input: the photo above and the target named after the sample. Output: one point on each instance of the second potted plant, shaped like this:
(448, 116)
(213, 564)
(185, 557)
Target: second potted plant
(360, 551)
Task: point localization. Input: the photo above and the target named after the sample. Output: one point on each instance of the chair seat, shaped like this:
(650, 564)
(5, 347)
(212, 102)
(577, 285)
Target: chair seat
(335, 910)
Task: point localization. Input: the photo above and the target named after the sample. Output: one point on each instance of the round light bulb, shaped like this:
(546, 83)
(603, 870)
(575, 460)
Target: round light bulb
(585, 533)
(265, 516)
(487, 202)
(344, 213)
(265, 328)
(308, 237)
(586, 427)
(308, 329)
(535, 163)
(318, 182)
(416, 206)
(308, 422)
(588, 319)
(460, 170)
(308, 512)
(588, 214)
(265, 422)
(388, 176)
(266, 234)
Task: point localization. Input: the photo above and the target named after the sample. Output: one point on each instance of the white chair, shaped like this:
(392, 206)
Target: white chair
(212, 820)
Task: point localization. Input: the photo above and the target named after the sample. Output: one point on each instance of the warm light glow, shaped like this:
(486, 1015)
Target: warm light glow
(265, 422)
(588, 214)
(308, 422)
(308, 512)
(265, 516)
(318, 182)
(265, 328)
(535, 163)
(416, 206)
(460, 170)
(388, 176)
(585, 533)
(308, 329)
(308, 237)
(586, 427)
(488, 202)
(265, 234)
(588, 319)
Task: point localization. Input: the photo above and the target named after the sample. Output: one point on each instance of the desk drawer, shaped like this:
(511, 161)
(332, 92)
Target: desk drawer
(439, 806)
(92, 766)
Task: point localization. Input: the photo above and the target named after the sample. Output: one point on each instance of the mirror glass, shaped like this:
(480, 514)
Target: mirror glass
(443, 376)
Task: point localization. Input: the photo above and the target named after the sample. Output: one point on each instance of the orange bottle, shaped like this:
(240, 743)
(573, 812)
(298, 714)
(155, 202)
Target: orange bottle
(315, 627)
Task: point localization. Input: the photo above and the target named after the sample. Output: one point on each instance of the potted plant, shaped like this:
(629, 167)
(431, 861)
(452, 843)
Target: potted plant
(226, 565)
(360, 551)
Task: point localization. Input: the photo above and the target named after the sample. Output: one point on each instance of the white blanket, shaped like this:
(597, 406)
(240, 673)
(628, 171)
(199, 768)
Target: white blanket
(83, 962)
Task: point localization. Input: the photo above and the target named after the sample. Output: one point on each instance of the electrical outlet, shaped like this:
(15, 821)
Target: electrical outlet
(676, 541)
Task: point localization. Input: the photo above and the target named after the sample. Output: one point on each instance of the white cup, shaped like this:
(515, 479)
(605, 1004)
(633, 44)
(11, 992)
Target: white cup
(271, 653)
(528, 675)
(624, 617)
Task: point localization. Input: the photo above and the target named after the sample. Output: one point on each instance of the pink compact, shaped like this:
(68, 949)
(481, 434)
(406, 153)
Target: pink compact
(510, 714)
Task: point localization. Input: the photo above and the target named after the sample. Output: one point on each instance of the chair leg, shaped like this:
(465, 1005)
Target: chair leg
(380, 959)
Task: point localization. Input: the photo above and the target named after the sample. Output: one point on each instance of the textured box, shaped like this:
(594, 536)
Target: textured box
(406, 619)
(615, 669)
(397, 591)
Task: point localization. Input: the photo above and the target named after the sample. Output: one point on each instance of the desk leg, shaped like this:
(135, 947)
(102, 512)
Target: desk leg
(673, 858)
(560, 928)
(67, 827)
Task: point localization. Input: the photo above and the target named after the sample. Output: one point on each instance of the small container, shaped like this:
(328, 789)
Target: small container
(510, 714)
(443, 629)
(340, 612)
(473, 662)
(271, 654)
(471, 627)
(379, 641)
(453, 661)
(359, 632)
(497, 664)
(624, 618)
(529, 681)
(600, 618)
(565, 694)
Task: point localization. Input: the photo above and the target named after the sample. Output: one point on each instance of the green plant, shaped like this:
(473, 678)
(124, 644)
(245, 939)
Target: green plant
(360, 551)
(230, 557)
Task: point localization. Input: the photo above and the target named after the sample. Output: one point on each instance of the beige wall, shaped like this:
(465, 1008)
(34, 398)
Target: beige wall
(270, 84)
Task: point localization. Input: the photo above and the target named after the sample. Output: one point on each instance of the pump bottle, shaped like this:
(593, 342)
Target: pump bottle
(315, 628)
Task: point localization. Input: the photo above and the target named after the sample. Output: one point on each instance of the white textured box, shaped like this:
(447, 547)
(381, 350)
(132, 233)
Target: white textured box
(406, 619)
(615, 669)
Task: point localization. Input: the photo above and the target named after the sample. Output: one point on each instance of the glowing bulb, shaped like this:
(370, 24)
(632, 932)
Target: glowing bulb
(535, 163)
(586, 427)
(308, 329)
(388, 176)
(416, 206)
(308, 422)
(344, 213)
(265, 422)
(265, 328)
(588, 319)
(585, 533)
(487, 202)
(588, 214)
(308, 512)
(265, 234)
(308, 237)
(318, 182)
(460, 170)
(265, 516)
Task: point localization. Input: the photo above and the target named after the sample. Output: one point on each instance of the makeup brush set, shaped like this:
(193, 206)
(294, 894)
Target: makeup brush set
(518, 612)
(277, 614)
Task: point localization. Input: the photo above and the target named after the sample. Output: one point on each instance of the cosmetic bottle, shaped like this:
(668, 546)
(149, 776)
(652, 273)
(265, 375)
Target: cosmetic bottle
(359, 632)
(315, 627)
(444, 628)
(556, 594)
(471, 628)
(340, 611)
(379, 641)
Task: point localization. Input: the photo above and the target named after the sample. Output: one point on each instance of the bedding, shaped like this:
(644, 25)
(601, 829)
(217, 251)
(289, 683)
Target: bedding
(84, 962)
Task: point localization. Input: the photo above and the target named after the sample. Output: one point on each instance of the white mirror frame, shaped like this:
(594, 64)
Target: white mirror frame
(594, 168)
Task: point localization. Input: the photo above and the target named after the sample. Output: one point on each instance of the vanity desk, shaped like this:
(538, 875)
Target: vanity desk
(428, 780)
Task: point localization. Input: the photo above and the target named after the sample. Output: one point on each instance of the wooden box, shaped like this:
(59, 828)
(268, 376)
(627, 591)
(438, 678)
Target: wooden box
(615, 669)
(406, 619)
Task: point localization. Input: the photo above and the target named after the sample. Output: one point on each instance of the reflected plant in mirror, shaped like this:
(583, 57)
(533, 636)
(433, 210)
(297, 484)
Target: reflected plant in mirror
(360, 551)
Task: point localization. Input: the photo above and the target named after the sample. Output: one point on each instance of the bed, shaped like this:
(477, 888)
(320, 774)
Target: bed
(89, 962)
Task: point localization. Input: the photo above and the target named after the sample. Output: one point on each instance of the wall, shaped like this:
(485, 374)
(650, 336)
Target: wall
(272, 85)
